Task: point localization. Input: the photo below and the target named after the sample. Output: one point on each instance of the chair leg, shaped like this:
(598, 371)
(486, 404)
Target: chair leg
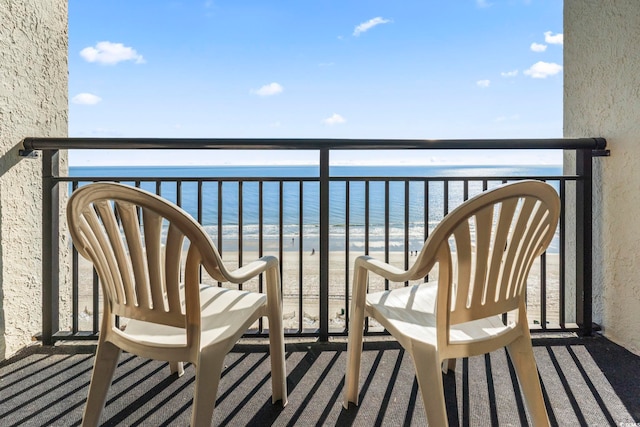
(107, 356)
(276, 340)
(429, 375)
(354, 345)
(521, 353)
(208, 371)
(448, 365)
(177, 367)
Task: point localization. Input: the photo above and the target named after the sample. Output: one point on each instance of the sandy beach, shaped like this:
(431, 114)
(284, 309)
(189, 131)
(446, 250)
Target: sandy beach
(302, 313)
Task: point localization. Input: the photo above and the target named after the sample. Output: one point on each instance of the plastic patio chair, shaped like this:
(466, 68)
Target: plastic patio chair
(135, 240)
(484, 250)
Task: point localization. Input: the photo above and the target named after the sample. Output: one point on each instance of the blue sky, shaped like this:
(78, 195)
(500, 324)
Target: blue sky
(315, 69)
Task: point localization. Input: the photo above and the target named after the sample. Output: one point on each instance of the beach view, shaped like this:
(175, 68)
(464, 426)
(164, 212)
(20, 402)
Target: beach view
(270, 70)
(396, 233)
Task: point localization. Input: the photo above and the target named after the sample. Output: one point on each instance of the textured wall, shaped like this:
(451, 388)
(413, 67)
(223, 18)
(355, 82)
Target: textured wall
(33, 102)
(602, 98)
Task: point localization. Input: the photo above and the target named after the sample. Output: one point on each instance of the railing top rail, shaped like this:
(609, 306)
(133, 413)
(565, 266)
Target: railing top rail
(37, 143)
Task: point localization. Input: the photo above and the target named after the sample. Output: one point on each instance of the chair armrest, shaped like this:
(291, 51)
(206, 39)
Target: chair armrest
(252, 269)
(423, 265)
(383, 269)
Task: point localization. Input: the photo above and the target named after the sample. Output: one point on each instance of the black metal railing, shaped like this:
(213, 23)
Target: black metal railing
(314, 295)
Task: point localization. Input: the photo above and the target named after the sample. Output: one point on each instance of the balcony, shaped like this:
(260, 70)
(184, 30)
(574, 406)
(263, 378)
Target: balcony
(586, 379)
(598, 61)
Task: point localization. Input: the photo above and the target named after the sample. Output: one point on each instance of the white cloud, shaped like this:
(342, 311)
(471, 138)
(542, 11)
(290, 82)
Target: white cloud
(111, 53)
(366, 26)
(86, 99)
(551, 38)
(269, 90)
(509, 73)
(483, 3)
(483, 83)
(335, 119)
(538, 47)
(542, 70)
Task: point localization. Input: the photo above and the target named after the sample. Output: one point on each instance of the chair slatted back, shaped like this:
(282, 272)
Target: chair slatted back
(486, 248)
(135, 240)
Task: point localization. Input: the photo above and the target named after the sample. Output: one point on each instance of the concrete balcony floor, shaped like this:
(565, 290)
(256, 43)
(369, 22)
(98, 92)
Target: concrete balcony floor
(586, 381)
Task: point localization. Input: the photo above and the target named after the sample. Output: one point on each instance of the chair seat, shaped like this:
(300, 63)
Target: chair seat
(225, 313)
(410, 312)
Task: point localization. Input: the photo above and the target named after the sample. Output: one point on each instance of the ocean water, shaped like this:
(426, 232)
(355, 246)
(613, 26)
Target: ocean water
(302, 226)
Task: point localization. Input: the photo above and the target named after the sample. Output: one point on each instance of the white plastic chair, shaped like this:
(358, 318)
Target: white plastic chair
(135, 240)
(484, 250)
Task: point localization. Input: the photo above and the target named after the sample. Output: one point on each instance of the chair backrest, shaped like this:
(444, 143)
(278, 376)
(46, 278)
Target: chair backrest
(136, 242)
(486, 247)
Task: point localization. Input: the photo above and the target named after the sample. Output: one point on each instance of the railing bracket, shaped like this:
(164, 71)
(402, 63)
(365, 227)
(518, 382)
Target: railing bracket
(30, 154)
(601, 153)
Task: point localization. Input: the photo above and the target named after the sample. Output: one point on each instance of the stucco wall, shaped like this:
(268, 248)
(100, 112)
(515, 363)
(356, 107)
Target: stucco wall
(33, 102)
(602, 98)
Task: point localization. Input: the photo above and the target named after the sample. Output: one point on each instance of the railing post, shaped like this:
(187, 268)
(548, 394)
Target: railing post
(324, 244)
(584, 250)
(50, 246)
